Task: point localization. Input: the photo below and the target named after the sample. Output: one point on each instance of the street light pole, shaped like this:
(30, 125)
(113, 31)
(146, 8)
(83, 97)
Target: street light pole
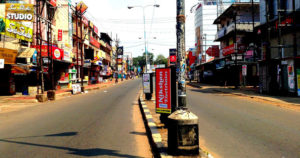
(146, 53)
(144, 19)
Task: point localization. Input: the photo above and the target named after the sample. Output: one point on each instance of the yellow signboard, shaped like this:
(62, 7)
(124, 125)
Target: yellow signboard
(8, 55)
(19, 12)
(17, 30)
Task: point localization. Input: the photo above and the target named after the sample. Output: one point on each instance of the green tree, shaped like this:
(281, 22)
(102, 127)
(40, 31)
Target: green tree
(160, 59)
(141, 60)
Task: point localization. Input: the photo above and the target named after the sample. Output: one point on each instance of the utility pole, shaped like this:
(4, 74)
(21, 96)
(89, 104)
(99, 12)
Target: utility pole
(295, 45)
(182, 124)
(180, 30)
(116, 65)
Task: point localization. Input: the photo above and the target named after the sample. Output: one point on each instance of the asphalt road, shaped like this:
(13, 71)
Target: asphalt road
(101, 123)
(235, 127)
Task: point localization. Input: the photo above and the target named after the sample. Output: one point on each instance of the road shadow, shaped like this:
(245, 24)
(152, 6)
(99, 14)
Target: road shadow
(74, 151)
(64, 134)
(139, 133)
(207, 91)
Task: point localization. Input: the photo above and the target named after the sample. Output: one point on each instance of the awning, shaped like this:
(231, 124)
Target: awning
(26, 52)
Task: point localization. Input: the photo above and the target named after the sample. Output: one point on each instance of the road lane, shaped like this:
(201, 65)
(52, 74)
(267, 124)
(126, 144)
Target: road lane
(236, 127)
(97, 124)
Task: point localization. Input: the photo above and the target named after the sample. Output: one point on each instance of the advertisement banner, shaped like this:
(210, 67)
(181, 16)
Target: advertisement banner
(53, 2)
(146, 83)
(94, 42)
(56, 52)
(81, 7)
(19, 12)
(163, 90)
(173, 56)
(17, 30)
(96, 29)
(244, 70)
(8, 55)
(59, 35)
(298, 81)
(291, 76)
(120, 51)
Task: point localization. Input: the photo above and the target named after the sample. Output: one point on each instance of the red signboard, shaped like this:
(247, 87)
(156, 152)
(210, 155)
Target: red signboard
(53, 2)
(163, 90)
(56, 52)
(213, 51)
(59, 36)
(85, 21)
(173, 58)
(228, 50)
(94, 42)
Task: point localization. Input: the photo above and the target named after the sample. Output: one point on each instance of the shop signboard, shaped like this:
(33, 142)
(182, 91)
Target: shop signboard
(19, 12)
(53, 2)
(298, 81)
(94, 42)
(85, 21)
(120, 51)
(67, 56)
(163, 90)
(96, 29)
(2, 63)
(56, 52)
(17, 30)
(173, 56)
(8, 55)
(146, 83)
(82, 7)
(59, 36)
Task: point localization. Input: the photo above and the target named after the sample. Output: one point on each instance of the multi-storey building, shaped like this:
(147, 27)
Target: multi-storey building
(280, 49)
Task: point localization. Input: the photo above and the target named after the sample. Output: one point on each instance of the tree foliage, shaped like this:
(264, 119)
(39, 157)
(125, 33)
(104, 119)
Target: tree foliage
(141, 60)
(160, 59)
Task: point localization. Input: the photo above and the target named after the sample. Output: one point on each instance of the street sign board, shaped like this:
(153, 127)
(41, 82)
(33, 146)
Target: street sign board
(146, 83)
(163, 90)
(238, 57)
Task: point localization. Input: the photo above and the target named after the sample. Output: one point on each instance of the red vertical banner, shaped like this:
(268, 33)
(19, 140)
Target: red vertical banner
(163, 90)
(59, 36)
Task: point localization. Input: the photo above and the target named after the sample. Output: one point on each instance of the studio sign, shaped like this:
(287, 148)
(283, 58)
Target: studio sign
(20, 12)
(20, 32)
(19, 16)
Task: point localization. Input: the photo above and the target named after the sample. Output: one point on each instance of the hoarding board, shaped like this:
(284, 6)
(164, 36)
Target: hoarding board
(82, 7)
(146, 83)
(19, 12)
(8, 55)
(163, 90)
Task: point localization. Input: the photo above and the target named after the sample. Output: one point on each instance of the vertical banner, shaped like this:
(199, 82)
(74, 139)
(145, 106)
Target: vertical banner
(146, 83)
(244, 70)
(298, 81)
(59, 36)
(163, 90)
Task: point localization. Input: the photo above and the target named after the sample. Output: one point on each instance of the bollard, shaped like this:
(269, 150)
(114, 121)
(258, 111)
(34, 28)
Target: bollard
(183, 133)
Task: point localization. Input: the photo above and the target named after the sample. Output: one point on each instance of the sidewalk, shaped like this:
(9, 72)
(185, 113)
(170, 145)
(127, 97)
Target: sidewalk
(158, 131)
(249, 92)
(20, 101)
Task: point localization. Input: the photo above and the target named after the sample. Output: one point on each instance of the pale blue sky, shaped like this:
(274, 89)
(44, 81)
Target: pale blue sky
(113, 16)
